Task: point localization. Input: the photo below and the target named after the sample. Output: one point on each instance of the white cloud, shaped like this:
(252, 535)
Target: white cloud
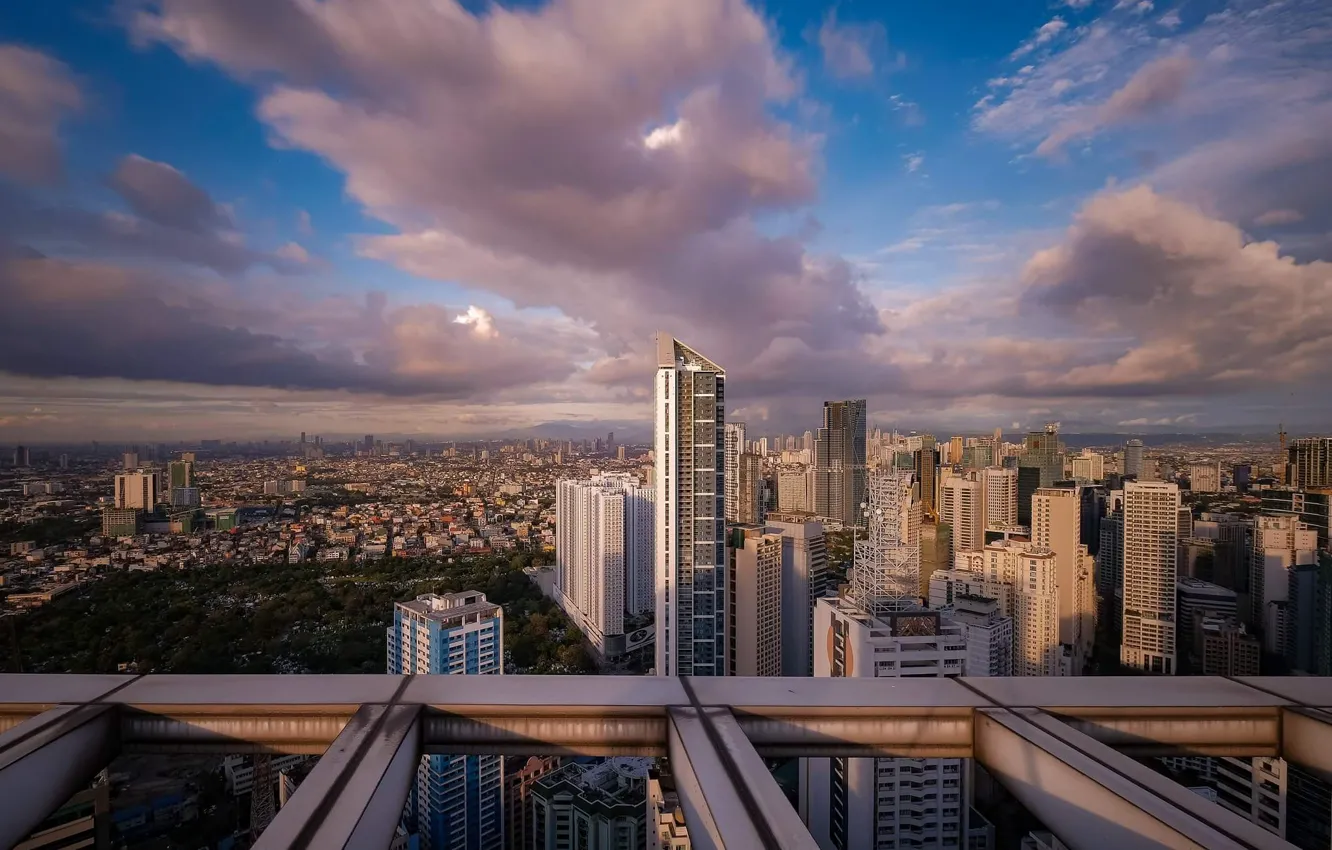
(1044, 34)
(1275, 217)
(481, 322)
(913, 161)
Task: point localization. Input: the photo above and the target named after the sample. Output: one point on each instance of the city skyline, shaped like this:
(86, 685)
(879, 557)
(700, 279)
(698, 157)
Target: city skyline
(210, 234)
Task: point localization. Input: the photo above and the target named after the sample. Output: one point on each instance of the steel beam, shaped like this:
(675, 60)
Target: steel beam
(729, 798)
(1306, 739)
(355, 795)
(46, 759)
(1094, 798)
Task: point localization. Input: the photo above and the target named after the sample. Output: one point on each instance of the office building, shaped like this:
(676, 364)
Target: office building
(137, 490)
(1133, 465)
(1151, 532)
(755, 594)
(988, 635)
(1308, 808)
(603, 555)
(1310, 462)
(1223, 647)
(926, 464)
(690, 527)
(999, 494)
(1088, 467)
(804, 579)
(748, 489)
(839, 461)
(793, 489)
(1280, 542)
(1041, 451)
(734, 438)
(1057, 525)
(591, 806)
(457, 801)
(1205, 477)
(120, 522)
(1309, 618)
(1028, 482)
(1195, 600)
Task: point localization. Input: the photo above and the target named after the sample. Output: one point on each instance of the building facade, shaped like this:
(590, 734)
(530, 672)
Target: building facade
(805, 579)
(595, 805)
(458, 801)
(137, 490)
(755, 595)
(1056, 525)
(1151, 537)
(690, 534)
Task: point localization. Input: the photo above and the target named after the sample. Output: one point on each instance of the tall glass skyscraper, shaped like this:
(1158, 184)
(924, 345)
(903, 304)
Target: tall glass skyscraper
(691, 526)
(839, 461)
(457, 802)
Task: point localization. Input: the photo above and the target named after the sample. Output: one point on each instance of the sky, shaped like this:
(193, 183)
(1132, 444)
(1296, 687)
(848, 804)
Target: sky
(245, 218)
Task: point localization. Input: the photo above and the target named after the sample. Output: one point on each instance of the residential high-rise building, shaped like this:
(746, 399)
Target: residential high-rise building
(1280, 542)
(1028, 482)
(734, 439)
(137, 490)
(954, 446)
(755, 595)
(988, 635)
(458, 800)
(999, 493)
(961, 506)
(690, 538)
(1255, 789)
(519, 779)
(1310, 460)
(1151, 532)
(1023, 578)
(1133, 459)
(1312, 507)
(804, 579)
(1224, 647)
(793, 489)
(839, 461)
(1056, 524)
(598, 805)
(868, 804)
(1205, 477)
(603, 555)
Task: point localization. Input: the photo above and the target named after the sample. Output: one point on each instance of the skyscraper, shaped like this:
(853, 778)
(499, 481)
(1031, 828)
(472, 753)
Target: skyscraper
(999, 492)
(804, 580)
(691, 577)
(1133, 458)
(749, 480)
(839, 461)
(793, 489)
(1041, 451)
(735, 447)
(180, 473)
(603, 554)
(755, 611)
(1151, 532)
(1279, 543)
(1205, 477)
(457, 800)
(1056, 524)
(927, 475)
(960, 505)
(22, 457)
(130, 461)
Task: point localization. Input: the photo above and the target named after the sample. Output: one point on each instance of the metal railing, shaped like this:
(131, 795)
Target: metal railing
(1064, 747)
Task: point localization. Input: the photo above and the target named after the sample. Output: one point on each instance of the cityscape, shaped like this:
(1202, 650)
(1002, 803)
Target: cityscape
(665, 425)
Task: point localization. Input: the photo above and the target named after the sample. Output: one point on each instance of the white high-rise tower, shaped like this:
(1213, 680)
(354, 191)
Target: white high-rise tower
(1151, 536)
(691, 527)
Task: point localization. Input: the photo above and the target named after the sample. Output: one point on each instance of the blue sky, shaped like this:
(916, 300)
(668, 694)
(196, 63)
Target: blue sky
(415, 217)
